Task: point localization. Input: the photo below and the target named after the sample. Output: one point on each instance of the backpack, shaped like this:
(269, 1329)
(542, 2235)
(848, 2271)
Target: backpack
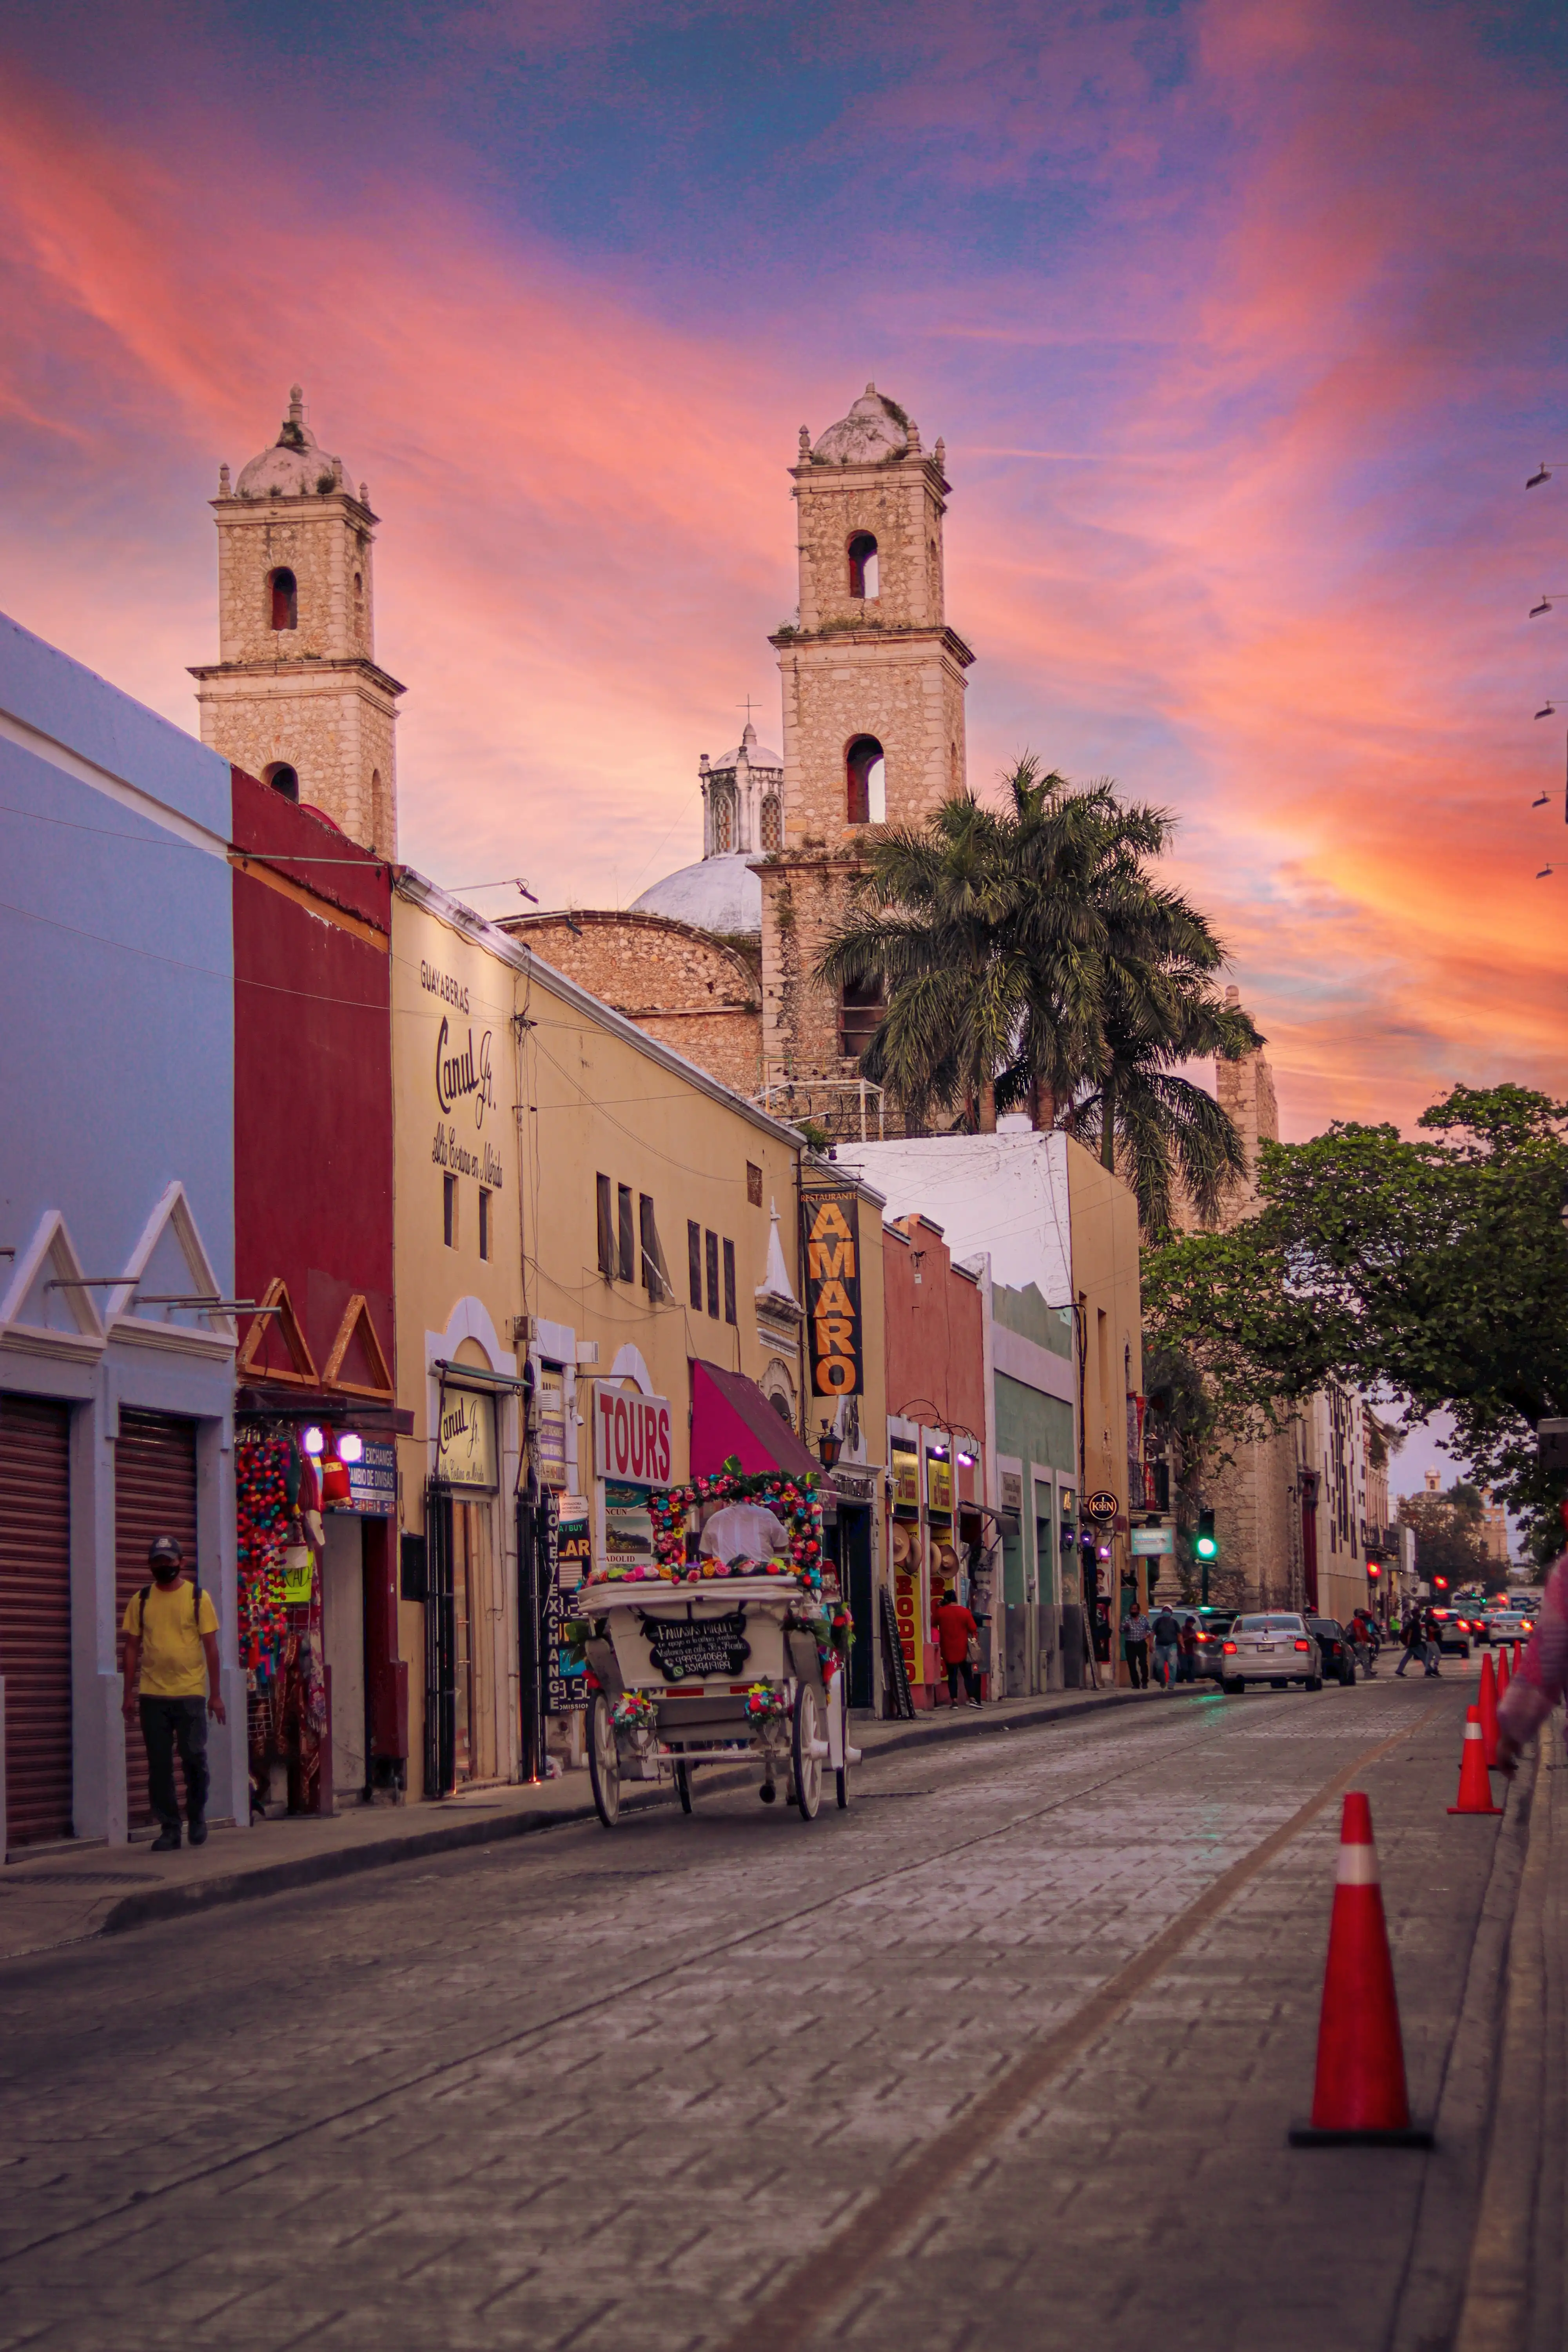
(195, 1603)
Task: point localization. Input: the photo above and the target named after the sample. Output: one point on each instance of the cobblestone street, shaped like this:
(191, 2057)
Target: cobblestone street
(905, 2074)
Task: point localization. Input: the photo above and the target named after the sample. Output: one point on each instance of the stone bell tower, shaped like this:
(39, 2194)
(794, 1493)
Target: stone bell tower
(873, 685)
(295, 696)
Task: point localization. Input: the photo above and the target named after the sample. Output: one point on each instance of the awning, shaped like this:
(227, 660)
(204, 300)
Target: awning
(730, 1414)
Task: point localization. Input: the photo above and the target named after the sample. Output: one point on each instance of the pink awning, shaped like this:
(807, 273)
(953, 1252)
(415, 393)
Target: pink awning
(730, 1414)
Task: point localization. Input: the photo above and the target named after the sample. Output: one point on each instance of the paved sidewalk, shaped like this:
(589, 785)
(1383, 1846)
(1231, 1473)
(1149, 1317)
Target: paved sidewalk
(68, 1892)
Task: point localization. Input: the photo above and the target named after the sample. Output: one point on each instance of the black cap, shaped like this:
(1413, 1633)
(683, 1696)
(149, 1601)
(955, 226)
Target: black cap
(164, 1550)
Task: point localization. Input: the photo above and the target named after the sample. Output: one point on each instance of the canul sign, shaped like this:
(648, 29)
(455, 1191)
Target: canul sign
(631, 1437)
(462, 1072)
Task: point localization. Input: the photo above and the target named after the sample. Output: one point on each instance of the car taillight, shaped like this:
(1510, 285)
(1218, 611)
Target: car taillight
(1229, 1649)
(1303, 1645)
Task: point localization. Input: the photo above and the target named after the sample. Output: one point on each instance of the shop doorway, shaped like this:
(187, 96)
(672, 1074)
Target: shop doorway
(855, 1575)
(154, 1494)
(474, 1614)
(342, 1642)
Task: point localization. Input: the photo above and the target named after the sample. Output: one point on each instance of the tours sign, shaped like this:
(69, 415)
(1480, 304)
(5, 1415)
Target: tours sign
(631, 1438)
(830, 1223)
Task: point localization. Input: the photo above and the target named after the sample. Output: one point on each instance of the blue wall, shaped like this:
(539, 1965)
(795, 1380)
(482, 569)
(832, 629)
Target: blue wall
(116, 965)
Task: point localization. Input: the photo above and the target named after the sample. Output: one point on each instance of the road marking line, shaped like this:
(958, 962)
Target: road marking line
(830, 2275)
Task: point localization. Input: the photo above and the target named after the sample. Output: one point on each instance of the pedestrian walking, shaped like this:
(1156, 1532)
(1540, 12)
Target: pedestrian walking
(1414, 1640)
(1434, 1644)
(172, 1681)
(1187, 1652)
(1167, 1634)
(1135, 1647)
(956, 1630)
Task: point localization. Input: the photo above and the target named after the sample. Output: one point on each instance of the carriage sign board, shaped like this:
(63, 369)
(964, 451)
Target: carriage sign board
(687, 1651)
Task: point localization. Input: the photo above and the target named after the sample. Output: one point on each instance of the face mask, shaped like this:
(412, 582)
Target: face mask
(165, 1573)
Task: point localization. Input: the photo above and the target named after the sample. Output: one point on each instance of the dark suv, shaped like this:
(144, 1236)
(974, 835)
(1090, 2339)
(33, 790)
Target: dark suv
(1337, 1654)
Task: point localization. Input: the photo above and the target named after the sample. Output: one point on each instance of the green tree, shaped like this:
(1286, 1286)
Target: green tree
(1448, 1534)
(1028, 954)
(1435, 1269)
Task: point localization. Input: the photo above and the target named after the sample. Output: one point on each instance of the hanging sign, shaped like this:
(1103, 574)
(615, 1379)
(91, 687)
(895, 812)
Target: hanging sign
(568, 1684)
(466, 1451)
(631, 1438)
(699, 1649)
(549, 1437)
(373, 1481)
(906, 1467)
(830, 1227)
(1101, 1506)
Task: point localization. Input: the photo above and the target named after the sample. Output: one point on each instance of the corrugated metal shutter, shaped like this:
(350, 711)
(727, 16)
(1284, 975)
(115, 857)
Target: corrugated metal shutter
(154, 1494)
(35, 1616)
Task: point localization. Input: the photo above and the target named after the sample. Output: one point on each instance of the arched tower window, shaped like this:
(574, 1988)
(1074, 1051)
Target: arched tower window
(865, 572)
(866, 782)
(772, 822)
(860, 1010)
(724, 822)
(284, 591)
(283, 779)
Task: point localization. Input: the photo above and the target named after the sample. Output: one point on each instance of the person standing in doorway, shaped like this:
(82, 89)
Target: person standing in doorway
(1135, 1647)
(1167, 1634)
(172, 1681)
(955, 1630)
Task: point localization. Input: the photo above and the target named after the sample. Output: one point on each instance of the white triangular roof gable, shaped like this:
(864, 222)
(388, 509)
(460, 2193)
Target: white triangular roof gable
(41, 1306)
(169, 1256)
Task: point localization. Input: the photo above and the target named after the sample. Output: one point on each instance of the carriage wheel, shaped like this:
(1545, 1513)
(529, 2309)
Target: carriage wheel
(841, 1775)
(604, 1762)
(807, 1763)
(684, 1776)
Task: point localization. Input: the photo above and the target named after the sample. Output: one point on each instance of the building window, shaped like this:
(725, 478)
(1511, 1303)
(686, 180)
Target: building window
(865, 573)
(730, 1315)
(753, 1184)
(607, 1222)
(772, 822)
(625, 1239)
(449, 1211)
(724, 822)
(283, 779)
(654, 1273)
(860, 1010)
(710, 1242)
(866, 782)
(283, 595)
(694, 1261)
(484, 1222)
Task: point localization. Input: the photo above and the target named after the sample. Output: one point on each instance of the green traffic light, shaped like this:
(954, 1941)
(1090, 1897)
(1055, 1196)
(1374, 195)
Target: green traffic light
(1206, 1548)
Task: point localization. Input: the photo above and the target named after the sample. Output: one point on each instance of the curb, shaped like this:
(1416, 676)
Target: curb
(155, 1903)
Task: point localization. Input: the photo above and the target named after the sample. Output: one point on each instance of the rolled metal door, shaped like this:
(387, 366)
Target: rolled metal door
(440, 1644)
(35, 1617)
(154, 1494)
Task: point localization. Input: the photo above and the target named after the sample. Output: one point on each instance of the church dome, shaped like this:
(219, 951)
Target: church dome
(875, 428)
(294, 467)
(717, 894)
(756, 755)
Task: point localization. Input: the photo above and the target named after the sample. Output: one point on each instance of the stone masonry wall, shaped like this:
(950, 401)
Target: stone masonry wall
(325, 542)
(692, 992)
(901, 506)
(334, 726)
(907, 691)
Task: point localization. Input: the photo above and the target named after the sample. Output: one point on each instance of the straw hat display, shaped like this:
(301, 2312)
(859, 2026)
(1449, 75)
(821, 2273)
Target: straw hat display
(945, 1560)
(903, 1545)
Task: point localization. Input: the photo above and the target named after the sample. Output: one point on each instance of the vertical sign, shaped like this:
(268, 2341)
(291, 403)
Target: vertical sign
(830, 1223)
(567, 1686)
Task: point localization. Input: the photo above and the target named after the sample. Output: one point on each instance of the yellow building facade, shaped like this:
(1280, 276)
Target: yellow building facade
(581, 1216)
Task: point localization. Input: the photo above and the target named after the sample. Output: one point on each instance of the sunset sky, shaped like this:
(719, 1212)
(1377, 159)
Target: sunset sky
(1244, 322)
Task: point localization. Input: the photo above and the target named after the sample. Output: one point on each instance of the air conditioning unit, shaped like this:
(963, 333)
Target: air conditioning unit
(587, 1355)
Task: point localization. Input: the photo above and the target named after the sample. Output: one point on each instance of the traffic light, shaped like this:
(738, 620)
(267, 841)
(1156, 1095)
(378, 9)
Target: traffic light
(1439, 1584)
(1205, 1546)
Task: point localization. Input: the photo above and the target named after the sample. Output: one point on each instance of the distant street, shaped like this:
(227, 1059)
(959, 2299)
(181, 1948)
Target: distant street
(614, 2091)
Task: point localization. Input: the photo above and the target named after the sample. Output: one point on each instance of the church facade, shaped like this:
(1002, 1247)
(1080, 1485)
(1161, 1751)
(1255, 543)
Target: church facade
(719, 959)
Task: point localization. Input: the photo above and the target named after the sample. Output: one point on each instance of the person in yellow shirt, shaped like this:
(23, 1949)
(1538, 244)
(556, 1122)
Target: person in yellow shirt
(171, 1666)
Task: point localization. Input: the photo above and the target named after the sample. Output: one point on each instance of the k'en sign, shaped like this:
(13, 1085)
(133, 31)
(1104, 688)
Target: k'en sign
(631, 1437)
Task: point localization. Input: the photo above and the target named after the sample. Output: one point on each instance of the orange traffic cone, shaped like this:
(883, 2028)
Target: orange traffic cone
(1488, 1709)
(1502, 1676)
(1474, 1789)
(1359, 2096)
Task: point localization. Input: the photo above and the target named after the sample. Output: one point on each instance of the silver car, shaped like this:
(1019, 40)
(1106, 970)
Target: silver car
(1278, 1649)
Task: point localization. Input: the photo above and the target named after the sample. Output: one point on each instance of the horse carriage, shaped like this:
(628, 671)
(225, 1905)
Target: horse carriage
(729, 1641)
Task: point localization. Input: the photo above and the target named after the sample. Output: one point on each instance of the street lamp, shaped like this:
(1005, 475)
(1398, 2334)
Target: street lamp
(829, 1445)
(1549, 596)
(1543, 472)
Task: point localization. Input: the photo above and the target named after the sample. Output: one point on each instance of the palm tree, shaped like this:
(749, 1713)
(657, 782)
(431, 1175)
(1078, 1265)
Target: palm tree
(1028, 954)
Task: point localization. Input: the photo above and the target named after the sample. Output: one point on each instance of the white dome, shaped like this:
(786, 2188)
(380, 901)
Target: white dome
(294, 467)
(875, 430)
(717, 894)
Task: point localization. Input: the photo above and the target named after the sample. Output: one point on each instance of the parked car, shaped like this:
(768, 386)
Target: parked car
(1510, 1625)
(1278, 1649)
(1337, 1654)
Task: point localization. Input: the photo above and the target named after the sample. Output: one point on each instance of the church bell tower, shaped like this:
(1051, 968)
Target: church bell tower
(873, 686)
(296, 696)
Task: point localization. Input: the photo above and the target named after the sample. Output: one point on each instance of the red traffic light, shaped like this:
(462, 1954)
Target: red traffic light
(1375, 1567)
(1439, 1584)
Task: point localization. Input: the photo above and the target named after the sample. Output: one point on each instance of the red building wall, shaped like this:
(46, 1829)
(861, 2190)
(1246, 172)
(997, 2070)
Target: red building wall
(934, 1336)
(312, 919)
